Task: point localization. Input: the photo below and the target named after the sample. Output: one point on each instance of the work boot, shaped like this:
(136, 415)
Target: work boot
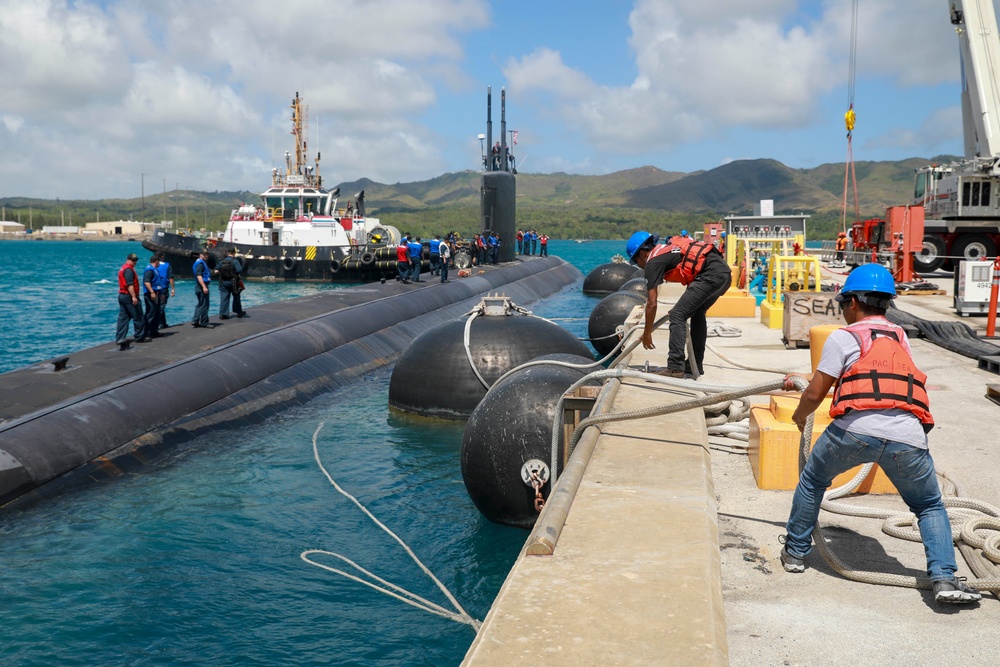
(667, 373)
(792, 563)
(955, 591)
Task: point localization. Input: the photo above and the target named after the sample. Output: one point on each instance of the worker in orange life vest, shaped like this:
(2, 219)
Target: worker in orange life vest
(841, 245)
(697, 265)
(881, 415)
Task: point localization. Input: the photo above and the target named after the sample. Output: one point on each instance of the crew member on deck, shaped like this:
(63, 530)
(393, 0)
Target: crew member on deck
(128, 300)
(202, 278)
(151, 293)
(403, 261)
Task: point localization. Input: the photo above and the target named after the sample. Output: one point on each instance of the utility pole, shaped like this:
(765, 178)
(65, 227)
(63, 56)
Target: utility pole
(144, 197)
(164, 200)
(187, 207)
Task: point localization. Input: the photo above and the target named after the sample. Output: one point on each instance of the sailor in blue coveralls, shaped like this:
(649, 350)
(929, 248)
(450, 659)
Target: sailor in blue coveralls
(202, 280)
(435, 244)
(151, 298)
(416, 251)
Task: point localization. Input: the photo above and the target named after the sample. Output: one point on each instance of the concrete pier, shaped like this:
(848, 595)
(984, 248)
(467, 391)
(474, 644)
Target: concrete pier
(669, 555)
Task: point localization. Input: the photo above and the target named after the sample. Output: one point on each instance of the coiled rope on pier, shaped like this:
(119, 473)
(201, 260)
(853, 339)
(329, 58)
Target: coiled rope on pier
(383, 586)
(971, 522)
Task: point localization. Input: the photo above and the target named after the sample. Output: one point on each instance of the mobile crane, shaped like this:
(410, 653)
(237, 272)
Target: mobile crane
(961, 200)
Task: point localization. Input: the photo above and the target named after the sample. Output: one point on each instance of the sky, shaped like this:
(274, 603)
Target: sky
(123, 98)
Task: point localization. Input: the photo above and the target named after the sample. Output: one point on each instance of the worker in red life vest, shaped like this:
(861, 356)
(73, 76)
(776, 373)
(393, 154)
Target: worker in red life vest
(881, 415)
(129, 308)
(697, 265)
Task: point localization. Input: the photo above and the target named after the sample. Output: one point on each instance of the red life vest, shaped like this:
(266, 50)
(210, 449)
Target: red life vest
(884, 376)
(692, 262)
(122, 284)
(403, 253)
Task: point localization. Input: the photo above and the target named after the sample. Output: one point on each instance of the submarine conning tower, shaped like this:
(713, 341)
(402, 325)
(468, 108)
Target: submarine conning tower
(498, 189)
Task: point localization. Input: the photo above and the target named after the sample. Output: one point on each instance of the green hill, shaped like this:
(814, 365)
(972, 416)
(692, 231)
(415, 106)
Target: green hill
(563, 205)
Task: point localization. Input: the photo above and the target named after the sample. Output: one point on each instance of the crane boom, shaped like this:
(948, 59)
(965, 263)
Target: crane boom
(975, 23)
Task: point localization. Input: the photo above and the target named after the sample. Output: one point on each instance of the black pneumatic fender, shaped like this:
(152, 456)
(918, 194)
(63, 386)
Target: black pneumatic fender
(433, 377)
(288, 264)
(608, 315)
(367, 258)
(510, 428)
(607, 278)
(335, 265)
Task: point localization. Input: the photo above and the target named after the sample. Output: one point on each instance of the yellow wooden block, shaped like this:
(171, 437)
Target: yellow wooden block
(782, 407)
(774, 450)
(734, 303)
(772, 317)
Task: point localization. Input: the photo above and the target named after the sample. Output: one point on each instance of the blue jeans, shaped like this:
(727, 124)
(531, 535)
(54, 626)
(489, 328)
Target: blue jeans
(911, 469)
(444, 270)
(415, 268)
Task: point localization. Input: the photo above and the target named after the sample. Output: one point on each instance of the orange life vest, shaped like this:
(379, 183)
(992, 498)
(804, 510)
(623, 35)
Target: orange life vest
(123, 284)
(692, 262)
(842, 243)
(884, 376)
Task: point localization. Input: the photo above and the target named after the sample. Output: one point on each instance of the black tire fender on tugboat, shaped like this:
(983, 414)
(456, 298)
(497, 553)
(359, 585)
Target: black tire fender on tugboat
(288, 264)
(367, 258)
(334, 265)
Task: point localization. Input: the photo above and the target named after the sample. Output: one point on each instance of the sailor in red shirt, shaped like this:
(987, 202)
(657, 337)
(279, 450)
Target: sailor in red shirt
(403, 261)
(128, 301)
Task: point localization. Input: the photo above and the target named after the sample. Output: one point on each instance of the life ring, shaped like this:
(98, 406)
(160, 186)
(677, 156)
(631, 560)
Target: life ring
(367, 258)
(334, 265)
(288, 264)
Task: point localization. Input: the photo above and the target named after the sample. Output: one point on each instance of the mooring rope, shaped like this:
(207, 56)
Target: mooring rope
(972, 517)
(412, 599)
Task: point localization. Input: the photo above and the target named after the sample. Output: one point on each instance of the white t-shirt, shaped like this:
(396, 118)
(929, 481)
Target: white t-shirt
(840, 351)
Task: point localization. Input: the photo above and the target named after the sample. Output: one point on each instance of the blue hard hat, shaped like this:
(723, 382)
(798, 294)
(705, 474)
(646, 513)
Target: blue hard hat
(637, 241)
(723, 235)
(684, 232)
(869, 280)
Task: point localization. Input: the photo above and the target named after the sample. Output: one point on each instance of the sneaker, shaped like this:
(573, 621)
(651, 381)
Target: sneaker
(954, 591)
(223, 317)
(792, 563)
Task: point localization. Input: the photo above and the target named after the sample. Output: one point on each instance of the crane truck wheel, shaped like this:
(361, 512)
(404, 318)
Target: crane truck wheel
(931, 256)
(974, 247)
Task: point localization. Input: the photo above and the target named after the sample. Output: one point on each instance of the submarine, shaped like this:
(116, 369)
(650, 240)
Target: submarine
(101, 412)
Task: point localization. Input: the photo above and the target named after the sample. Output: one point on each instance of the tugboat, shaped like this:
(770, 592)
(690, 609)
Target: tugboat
(298, 232)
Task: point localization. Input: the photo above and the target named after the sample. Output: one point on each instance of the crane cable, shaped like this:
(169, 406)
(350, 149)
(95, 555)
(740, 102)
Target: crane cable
(849, 120)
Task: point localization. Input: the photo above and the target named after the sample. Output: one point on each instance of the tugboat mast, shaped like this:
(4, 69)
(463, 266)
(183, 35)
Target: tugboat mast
(301, 174)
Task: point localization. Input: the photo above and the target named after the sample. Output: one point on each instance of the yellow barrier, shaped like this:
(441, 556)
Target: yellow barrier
(787, 273)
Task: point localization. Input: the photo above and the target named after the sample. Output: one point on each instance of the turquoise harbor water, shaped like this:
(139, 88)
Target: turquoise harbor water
(195, 559)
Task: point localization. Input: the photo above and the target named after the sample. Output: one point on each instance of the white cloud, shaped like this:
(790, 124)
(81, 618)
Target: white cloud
(56, 55)
(198, 88)
(707, 68)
